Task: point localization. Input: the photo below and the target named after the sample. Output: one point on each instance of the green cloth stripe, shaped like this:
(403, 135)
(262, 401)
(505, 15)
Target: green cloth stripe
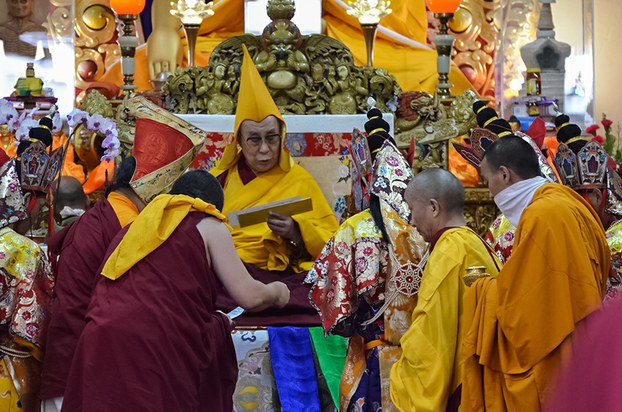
(331, 353)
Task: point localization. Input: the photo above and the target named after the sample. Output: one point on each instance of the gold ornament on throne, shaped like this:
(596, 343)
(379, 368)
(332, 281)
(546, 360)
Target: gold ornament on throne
(312, 74)
(476, 31)
(94, 46)
(87, 145)
(426, 120)
(479, 209)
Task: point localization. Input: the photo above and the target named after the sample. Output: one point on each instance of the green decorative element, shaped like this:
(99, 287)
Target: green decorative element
(331, 353)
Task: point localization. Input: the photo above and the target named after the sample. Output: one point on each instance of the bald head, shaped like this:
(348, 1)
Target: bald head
(436, 198)
(69, 193)
(441, 185)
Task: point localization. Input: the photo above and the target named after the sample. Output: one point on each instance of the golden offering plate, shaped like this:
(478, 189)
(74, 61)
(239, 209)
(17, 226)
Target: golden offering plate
(474, 273)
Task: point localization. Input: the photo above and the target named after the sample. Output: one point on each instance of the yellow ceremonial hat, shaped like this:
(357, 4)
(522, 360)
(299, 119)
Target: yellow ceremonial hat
(254, 103)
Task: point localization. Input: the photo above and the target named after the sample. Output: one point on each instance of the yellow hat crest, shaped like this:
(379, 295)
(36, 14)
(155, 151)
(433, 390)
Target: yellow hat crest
(255, 104)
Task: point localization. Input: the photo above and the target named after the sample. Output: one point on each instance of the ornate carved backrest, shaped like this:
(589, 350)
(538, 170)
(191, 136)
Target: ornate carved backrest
(312, 74)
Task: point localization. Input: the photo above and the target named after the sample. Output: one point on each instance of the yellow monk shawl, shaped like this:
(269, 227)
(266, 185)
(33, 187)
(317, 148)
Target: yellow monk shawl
(254, 103)
(152, 228)
(257, 244)
(555, 277)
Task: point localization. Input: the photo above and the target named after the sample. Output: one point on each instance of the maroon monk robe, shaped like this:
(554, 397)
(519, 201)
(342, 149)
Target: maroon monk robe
(297, 312)
(81, 247)
(153, 341)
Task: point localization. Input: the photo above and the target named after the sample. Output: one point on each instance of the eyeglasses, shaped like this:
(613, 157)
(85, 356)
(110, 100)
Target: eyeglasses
(256, 141)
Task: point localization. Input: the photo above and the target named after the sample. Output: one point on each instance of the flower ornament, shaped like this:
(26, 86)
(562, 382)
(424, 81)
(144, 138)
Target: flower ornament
(592, 129)
(100, 124)
(611, 139)
(8, 115)
(95, 121)
(77, 117)
(57, 123)
(598, 139)
(111, 144)
(23, 126)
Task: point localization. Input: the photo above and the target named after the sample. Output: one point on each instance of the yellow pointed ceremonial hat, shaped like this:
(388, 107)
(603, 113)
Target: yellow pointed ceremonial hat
(254, 103)
(164, 147)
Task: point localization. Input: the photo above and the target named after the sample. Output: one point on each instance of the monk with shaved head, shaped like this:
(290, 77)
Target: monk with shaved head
(428, 375)
(519, 326)
(70, 201)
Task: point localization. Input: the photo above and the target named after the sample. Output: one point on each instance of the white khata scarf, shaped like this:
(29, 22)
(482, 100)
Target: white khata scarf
(514, 199)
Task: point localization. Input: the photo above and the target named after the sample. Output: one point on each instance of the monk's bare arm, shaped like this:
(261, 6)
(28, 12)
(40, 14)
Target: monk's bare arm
(247, 292)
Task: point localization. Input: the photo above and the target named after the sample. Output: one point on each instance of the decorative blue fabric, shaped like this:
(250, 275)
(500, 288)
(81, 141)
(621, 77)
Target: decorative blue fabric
(368, 395)
(294, 369)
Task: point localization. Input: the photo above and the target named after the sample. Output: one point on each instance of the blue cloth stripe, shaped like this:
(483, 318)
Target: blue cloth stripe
(294, 369)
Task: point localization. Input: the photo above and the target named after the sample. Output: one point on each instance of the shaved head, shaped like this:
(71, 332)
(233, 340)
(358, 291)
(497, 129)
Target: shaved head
(70, 193)
(441, 185)
(436, 198)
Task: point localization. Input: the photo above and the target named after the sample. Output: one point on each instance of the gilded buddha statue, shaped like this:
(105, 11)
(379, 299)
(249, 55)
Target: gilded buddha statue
(29, 85)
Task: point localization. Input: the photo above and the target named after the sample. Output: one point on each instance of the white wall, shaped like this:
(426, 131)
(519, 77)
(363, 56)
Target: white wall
(608, 58)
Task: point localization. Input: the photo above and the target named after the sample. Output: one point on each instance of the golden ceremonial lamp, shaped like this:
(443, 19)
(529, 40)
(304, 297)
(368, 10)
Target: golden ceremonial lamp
(191, 13)
(444, 11)
(369, 13)
(127, 11)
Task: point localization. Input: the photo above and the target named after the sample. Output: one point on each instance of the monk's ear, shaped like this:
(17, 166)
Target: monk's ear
(27, 198)
(506, 174)
(435, 207)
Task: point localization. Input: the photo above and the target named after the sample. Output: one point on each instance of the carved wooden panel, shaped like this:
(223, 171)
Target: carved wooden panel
(479, 209)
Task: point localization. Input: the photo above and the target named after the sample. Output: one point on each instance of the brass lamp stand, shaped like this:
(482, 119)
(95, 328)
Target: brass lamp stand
(369, 13)
(191, 13)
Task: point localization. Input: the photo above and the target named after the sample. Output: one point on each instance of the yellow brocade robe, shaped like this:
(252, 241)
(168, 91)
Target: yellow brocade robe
(26, 284)
(257, 244)
(430, 368)
(518, 326)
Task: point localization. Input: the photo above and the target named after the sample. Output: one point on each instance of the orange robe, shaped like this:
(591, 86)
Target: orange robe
(519, 325)
(70, 167)
(10, 149)
(463, 170)
(98, 177)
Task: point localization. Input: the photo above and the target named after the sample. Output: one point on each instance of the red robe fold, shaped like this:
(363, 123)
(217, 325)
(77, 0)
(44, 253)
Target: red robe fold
(153, 341)
(76, 254)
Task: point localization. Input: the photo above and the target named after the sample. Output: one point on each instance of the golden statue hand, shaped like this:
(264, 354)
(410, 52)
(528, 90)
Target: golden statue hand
(164, 51)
